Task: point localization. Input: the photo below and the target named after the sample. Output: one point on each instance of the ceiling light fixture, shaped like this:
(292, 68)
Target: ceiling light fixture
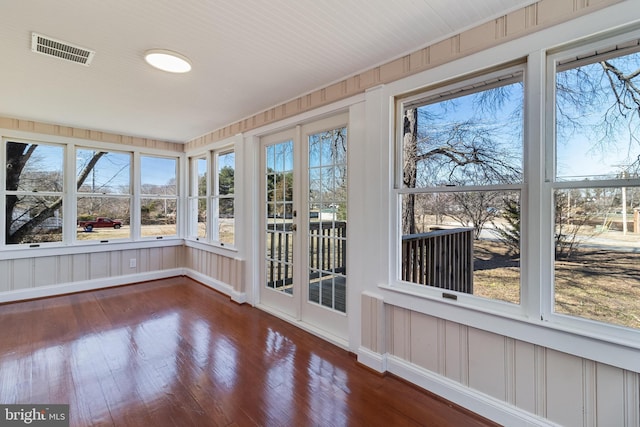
(167, 60)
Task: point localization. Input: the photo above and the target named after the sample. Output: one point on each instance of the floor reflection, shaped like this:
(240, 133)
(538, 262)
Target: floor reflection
(225, 364)
(325, 379)
(279, 388)
(174, 353)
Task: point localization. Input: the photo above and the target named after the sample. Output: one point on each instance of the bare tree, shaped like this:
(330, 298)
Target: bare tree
(476, 209)
(410, 160)
(584, 90)
(461, 153)
(599, 103)
(17, 229)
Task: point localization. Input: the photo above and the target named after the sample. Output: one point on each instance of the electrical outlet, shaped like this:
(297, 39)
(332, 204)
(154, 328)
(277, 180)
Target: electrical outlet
(132, 263)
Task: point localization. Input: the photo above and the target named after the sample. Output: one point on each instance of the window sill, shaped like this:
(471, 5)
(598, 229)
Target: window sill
(229, 251)
(24, 251)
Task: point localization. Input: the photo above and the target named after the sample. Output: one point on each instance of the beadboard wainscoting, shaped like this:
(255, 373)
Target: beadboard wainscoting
(76, 270)
(508, 380)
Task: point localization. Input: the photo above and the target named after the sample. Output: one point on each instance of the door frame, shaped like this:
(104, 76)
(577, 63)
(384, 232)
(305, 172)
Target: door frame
(332, 321)
(296, 308)
(285, 304)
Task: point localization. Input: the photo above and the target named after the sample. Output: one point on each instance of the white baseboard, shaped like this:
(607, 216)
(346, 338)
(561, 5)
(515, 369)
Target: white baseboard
(239, 297)
(307, 327)
(108, 282)
(372, 360)
(480, 403)
(85, 285)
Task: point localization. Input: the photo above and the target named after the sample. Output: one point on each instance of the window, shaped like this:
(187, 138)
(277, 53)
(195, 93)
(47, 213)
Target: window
(460, 182)
(223, 199)
(34, 187)
(46, 198)
(198, 198)
(212, 200)
(103, 194)
(596, 184)
(158, 196)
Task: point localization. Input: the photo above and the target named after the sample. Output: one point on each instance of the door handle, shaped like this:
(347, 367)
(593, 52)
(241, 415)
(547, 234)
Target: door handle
(294, 227)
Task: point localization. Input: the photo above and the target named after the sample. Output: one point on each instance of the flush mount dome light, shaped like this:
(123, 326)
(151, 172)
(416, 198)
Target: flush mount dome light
(167, 60)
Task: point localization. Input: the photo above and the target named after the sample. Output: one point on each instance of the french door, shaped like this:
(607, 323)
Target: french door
(304, 224)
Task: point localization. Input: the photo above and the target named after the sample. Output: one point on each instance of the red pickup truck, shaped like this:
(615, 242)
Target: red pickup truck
(100, 222)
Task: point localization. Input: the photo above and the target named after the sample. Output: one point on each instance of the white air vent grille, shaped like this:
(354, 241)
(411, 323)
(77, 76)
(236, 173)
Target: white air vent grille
(63, 50)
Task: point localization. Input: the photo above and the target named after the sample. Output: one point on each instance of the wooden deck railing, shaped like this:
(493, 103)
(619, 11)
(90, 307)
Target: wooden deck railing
(327, 251)
(442, 258)
(328, 246)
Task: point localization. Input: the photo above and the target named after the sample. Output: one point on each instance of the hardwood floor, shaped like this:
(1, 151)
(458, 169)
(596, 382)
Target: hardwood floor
(175, 353)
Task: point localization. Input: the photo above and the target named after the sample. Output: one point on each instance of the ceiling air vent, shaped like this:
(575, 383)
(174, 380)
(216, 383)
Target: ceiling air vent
(63, 50)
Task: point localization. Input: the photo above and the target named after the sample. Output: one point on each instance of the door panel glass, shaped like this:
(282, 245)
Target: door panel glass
(279, 216)
(327, 232)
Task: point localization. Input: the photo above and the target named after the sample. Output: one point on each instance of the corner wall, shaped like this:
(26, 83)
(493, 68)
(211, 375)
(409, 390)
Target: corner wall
(222, 273)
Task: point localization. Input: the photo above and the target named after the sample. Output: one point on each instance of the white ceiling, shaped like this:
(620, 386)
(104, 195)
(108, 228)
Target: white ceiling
(247, 55)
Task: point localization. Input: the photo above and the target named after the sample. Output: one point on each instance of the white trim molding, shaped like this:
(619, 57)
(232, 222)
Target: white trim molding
(480, 403)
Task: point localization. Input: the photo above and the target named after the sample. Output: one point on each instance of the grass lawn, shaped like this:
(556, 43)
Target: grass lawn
(597, 284)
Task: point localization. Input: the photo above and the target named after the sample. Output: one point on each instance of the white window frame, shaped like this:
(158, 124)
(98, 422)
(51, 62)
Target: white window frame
(451, 90)
(230, 145)
(194, 196)
(534, 322)
(133, 195)
(66, 209)
(166, 197)
(214, 198)
(597, 329)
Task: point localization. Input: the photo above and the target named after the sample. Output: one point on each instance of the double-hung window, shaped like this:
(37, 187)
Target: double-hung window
(462, 194)
(212, 197)
(223, 198)
(595, 176)
(34, 189)
(158, 196)
(198, 167)
(103, 196)
(459, 185)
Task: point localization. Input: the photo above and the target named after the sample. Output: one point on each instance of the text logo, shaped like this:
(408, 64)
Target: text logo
(34, 415)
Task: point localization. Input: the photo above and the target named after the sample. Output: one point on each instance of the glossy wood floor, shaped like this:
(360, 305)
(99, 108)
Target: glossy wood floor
(175, 353)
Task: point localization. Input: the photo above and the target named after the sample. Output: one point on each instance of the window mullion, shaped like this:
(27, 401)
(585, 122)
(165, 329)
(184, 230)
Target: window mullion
(535, 214)
(136, 204)
(69, 200)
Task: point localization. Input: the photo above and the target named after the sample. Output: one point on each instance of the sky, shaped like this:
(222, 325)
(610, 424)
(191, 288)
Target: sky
(587, 150)
(583, 150)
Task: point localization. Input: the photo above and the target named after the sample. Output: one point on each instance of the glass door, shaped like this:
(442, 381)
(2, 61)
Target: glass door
(325, 231)
(279, 246)
(304, 220)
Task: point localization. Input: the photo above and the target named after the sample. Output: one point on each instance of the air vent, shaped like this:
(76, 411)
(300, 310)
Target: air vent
(63, 50)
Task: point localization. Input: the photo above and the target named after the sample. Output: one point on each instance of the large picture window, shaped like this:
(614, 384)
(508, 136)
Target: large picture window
(460, 181)
(596, 185)
(34, 186)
